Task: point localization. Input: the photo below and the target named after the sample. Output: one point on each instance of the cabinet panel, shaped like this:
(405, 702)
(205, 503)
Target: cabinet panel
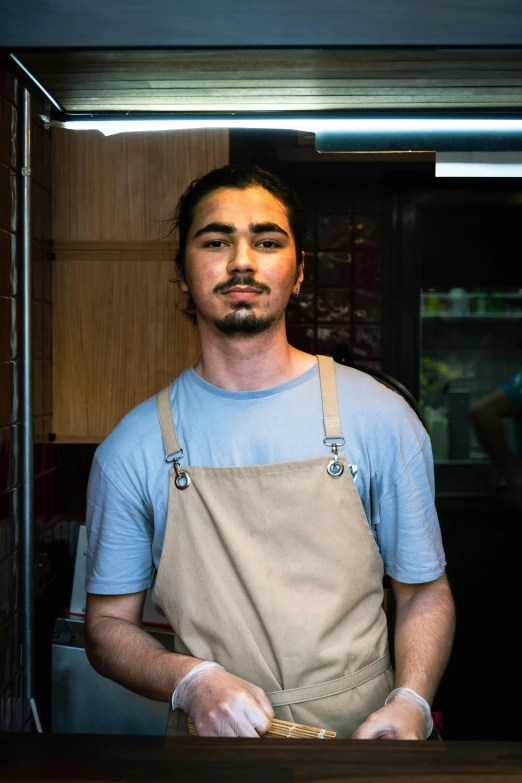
(118, 339)
(124, 187)
(118, 333)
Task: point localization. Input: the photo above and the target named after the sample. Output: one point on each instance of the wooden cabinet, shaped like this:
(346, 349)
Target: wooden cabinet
(118, 333)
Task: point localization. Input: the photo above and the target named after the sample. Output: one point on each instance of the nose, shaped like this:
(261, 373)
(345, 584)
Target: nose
(243, 260)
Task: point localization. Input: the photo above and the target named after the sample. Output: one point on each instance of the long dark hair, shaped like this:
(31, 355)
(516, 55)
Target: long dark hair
(231, 176)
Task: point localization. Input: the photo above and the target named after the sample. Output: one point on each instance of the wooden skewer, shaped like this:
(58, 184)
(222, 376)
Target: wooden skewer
(283, 728)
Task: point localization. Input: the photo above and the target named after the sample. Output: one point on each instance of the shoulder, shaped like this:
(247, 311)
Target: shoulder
(136, 442)
(372, 395)
(135, 431)
(385, 415)
(516, 379)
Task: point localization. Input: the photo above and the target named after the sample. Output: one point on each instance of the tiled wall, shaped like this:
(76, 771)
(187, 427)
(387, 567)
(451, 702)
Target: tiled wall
(60, 472)
(340, 300)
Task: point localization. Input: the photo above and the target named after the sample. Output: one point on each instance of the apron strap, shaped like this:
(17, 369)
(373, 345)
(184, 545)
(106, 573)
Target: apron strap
(168, 428)
(330, 688)
(332, 422)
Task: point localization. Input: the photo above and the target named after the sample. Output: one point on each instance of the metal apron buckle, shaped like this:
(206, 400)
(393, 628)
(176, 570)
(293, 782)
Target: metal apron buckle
(335, 467)
(182, 480)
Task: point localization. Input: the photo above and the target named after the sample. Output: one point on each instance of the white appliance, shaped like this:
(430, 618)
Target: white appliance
(83, 701)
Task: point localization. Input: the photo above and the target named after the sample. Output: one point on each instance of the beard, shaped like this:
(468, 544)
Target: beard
(244, 324)
(242, 321)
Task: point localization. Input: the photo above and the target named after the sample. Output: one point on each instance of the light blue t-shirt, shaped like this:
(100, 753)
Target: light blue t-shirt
(386, 445)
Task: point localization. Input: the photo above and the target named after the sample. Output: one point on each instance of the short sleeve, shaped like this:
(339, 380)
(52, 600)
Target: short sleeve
(513, 388)
(408, 533)
(119, 537)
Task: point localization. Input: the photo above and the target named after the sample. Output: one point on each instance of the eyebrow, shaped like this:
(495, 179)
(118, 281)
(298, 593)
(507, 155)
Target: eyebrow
(228, 228)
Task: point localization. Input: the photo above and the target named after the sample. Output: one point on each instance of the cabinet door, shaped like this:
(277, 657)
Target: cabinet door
(118, 331)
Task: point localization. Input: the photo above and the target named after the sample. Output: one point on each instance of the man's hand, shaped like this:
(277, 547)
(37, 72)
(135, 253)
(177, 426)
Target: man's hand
(223, 705)
(424, 628)
(397, 720)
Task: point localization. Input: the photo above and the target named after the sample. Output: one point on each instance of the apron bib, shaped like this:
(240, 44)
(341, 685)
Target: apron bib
(273, 572)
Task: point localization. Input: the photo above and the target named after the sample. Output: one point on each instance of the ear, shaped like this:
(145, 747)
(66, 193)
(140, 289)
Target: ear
(300, 276)
(182, 283)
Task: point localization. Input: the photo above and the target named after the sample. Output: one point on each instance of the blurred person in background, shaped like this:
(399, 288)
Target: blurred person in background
(487, 417)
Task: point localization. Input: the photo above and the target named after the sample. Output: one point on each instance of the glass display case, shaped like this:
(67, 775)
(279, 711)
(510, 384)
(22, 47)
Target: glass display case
(470, 344)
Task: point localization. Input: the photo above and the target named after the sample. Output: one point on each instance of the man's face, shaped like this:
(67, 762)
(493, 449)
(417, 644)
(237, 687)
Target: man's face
(240, 261)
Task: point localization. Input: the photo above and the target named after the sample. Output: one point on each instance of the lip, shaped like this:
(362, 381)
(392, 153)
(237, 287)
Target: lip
(242, 293)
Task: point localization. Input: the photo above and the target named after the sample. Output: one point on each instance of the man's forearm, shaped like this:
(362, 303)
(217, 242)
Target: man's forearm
(122, 652)
(424, 630)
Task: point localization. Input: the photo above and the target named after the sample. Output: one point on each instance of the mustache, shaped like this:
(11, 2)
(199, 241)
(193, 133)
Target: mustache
(246, 280)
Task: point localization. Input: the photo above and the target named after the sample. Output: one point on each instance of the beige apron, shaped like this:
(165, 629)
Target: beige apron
(273, 572)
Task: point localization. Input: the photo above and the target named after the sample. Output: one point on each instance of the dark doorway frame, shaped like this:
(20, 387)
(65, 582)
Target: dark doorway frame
(406, 202)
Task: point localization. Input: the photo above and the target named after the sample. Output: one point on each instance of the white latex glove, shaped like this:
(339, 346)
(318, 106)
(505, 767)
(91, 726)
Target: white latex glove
(405, 715)
(221, 704)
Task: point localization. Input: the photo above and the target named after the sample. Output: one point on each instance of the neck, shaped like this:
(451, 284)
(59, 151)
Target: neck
(249, 363)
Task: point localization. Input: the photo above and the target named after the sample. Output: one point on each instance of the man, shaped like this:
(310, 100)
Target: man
(487, 417)
(268, 542)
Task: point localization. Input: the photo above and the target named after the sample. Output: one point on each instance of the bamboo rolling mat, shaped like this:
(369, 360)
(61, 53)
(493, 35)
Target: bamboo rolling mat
(285, 729)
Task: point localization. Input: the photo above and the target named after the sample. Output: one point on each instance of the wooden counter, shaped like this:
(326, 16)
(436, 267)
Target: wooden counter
(100, 758)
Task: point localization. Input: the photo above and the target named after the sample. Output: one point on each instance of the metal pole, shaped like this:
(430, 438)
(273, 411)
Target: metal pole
(27, 414)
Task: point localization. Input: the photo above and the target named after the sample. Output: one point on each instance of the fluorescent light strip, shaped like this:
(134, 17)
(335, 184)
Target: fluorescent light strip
(478, 164)
(315, 125)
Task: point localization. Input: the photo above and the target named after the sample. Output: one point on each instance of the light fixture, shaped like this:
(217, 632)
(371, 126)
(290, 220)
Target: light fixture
(478, 164)
(440, 134)
(354, 133)
(109, 127)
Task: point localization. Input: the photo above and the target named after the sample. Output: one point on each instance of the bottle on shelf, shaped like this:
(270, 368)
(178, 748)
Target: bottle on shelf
(459, 302)
(482, 303)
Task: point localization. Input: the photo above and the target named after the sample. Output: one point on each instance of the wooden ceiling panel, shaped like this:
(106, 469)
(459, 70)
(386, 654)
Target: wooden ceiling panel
(291, 79)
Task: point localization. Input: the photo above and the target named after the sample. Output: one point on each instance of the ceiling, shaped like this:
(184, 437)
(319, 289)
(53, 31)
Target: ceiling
(90, 24)
(252, 80)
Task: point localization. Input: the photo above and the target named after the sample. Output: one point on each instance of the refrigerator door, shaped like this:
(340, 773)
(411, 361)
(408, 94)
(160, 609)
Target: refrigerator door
(470, 347)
